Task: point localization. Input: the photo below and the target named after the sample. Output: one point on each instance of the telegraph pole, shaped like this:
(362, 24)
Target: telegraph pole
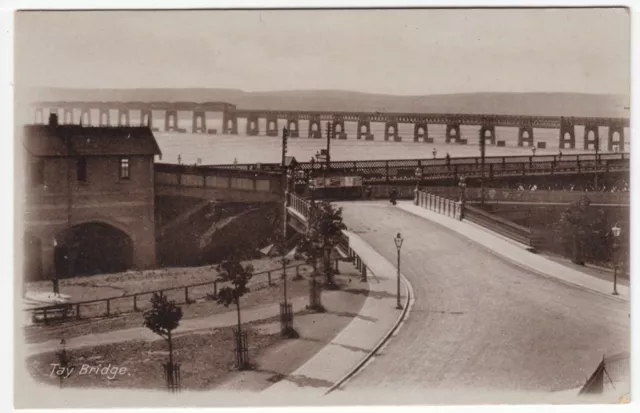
(483, 142)
(330, 131)
(595, 178)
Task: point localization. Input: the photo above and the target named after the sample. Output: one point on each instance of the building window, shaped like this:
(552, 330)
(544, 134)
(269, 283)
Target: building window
(81, 170)
(124, 168)
(37, 172)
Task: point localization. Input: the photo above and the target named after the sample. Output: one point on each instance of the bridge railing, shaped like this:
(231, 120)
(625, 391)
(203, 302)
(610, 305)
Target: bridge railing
(298, 204)
(216, 178)
(499, 225)
(460, 211)
(404, 170)
(438, 204)
(539, 196)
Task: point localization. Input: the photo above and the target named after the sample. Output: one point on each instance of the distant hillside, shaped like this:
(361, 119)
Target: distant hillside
(554, 104)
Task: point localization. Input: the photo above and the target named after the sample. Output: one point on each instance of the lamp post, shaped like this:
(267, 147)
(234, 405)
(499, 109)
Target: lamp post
(533, 150)
(398, 240)
(616, 230)
(483, 144)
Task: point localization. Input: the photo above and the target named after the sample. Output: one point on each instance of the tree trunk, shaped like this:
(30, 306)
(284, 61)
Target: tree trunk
(239, 322)
(170, 349)
(327, 265)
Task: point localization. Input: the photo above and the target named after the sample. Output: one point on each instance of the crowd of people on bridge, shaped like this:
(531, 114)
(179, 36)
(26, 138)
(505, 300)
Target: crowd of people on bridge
(621, 185)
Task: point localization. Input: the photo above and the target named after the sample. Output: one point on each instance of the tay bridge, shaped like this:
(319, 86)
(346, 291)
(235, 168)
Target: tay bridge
(81, 111)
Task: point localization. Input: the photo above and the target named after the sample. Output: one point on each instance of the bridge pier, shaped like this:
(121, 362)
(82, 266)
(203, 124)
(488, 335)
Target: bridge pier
(528, 131)
(391, 131)
(199, 122)
(83, 112)
(317, 133)
(421, 131)
(294, 128)
(616, 129)
(567, 134)
(492, 133)
(338, 129)
(170, 120)
(229, 123)
(272, 126)
(68, 116)
(253, 125)
(588, 140)
(453, 132)
(364, 130)
(145, 117)
(105, 117)
(38, 116)
(123, 113)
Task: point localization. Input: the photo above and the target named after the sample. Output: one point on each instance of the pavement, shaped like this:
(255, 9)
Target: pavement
(338, 361)
(483, 328)
(517, 253)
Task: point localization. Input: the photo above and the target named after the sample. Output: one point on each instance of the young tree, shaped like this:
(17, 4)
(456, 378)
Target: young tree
(585, 231)
(324, 233)
(231, 271)
(163, 317)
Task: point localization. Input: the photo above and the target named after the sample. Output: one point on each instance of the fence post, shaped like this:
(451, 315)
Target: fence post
(297, 271)
(363, 273)
(108, 306)
(215, 288)
(78, 311)
(269, 276)
(135, 302)
(186, 295)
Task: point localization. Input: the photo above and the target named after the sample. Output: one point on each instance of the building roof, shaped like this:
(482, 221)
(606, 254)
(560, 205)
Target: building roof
(47, 140)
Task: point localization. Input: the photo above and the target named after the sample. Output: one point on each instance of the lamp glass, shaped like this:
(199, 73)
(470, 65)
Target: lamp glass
(398, 240)
(616, 231)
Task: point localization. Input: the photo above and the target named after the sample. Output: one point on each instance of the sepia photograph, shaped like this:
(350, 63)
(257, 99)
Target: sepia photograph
(322, 207)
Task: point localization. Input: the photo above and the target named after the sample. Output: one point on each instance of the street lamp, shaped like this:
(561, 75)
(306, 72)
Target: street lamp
(616, 230)
(533, 150)
(398, 240)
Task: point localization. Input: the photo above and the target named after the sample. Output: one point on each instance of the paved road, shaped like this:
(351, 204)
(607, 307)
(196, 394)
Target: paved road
(480, 322)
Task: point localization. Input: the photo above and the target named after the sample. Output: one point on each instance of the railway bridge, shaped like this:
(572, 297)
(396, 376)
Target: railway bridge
(69, 111)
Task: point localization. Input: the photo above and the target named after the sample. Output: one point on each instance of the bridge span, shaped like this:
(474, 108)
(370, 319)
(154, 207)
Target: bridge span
(274, 119)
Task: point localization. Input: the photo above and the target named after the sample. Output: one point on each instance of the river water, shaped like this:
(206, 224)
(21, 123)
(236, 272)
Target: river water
(224, 149)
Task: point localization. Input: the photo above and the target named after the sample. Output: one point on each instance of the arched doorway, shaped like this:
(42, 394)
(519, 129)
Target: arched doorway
(338, 128)
(96, 248)
(32, 258)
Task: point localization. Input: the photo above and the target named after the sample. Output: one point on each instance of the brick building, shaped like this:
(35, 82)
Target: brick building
(87, 199)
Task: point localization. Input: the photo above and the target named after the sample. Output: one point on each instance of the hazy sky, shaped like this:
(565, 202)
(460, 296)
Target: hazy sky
(398, 52)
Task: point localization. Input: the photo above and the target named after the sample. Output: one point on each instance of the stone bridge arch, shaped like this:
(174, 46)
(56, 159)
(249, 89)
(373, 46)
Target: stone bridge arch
(315, 128)
(94, 246)
(452, 133)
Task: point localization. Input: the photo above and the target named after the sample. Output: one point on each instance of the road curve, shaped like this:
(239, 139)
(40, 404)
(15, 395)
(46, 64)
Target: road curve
(478, 321)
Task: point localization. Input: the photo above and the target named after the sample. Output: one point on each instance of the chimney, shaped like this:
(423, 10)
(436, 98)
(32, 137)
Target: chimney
(53, 119)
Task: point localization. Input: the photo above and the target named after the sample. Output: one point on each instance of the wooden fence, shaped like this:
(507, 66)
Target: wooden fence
(112, 306)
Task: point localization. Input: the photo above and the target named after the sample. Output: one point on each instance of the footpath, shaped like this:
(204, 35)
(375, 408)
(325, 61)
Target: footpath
(378, 319)
(518, 254)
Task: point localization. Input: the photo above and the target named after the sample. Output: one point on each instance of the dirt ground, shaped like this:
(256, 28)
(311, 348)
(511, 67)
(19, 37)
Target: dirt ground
(207, 358)
(260, 293)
